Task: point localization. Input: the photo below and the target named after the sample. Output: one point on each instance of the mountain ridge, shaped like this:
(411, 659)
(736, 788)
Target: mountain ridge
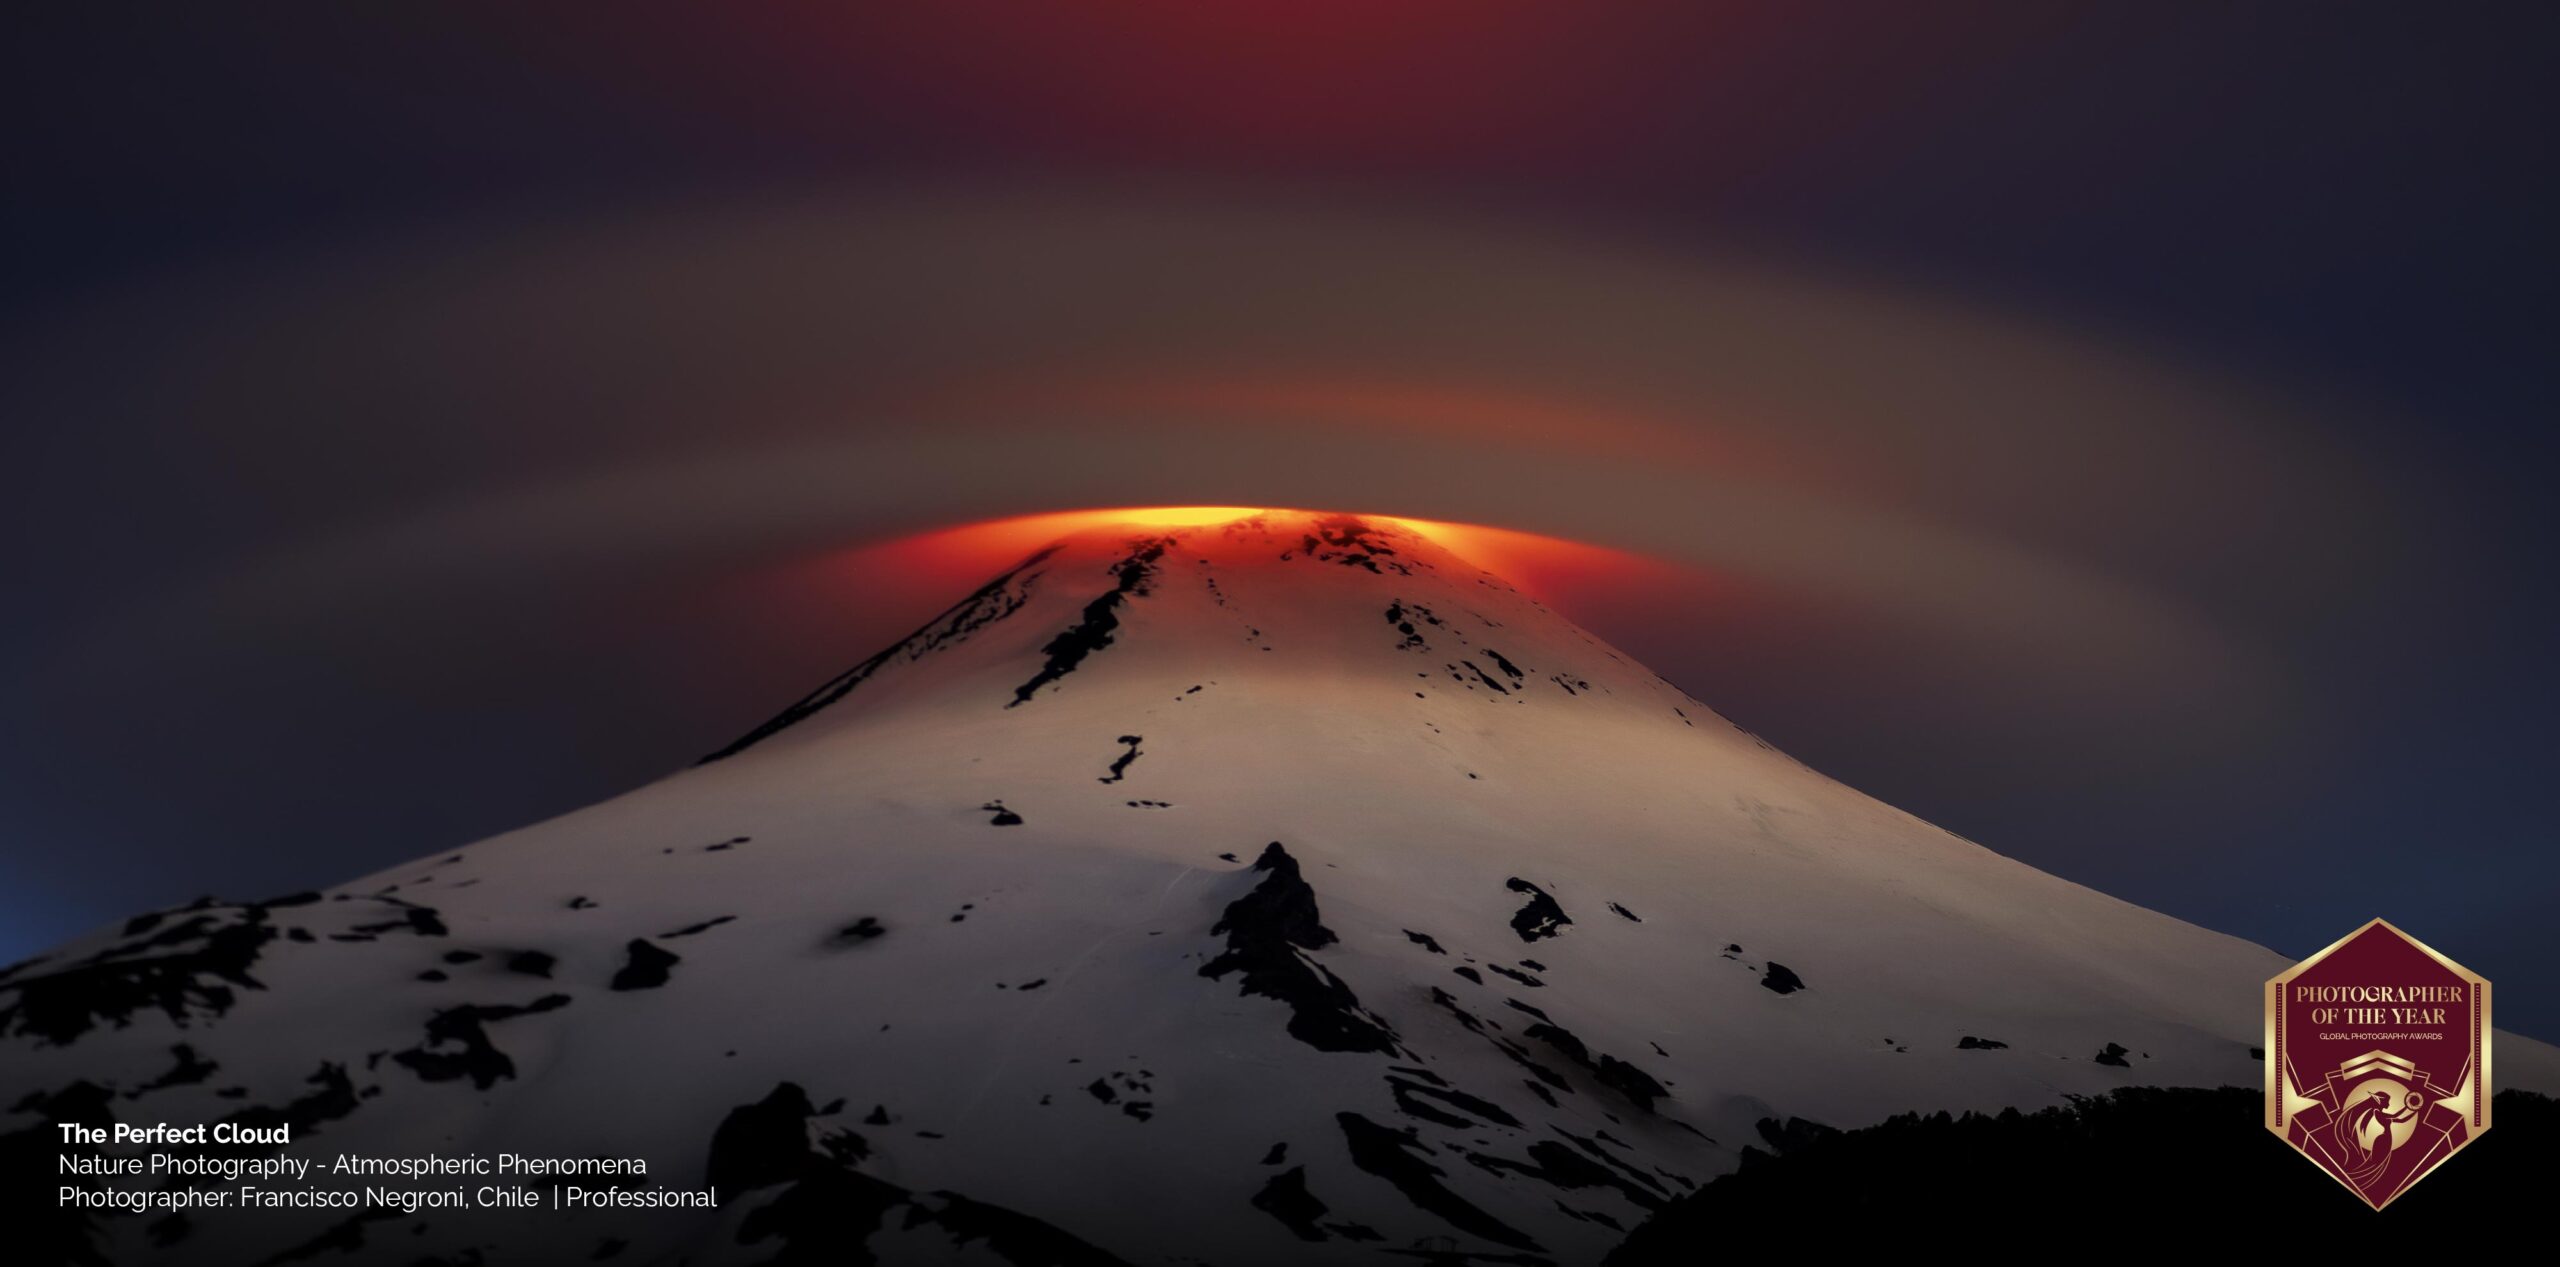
(1284, 889)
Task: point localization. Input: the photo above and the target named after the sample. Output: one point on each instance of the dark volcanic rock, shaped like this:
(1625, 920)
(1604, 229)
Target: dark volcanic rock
(1557, 1164)
(333, 1096)
(827, 1216)
(645, 966)
(2114, 1054)
(458, 1047)
(1346, 540)
(705, 926)
(1971, 1043)
(188, 1070)
(1100, 620)
(421, 921)
(1779, 979)
(1268, 932)
(1449, 1004)
(1413, 1100)
(1397, 1157)
(764, 1143)
(992, 602)
(1541, 917)
(827, 1211)
(184, 969)
(1609, 1071)
(1403, 620)
(1120, 764)
(1285, 1197)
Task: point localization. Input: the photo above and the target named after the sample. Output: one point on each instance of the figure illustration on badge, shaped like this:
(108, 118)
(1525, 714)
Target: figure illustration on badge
(2373, 1129)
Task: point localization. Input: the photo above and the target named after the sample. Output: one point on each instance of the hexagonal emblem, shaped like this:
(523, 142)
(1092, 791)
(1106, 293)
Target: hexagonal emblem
(2378, 1060)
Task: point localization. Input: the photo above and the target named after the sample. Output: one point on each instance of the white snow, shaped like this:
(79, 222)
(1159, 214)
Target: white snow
(1273, 700)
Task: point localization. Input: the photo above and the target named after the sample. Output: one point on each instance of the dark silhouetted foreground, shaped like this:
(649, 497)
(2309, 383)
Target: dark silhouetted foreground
(2143, 1168)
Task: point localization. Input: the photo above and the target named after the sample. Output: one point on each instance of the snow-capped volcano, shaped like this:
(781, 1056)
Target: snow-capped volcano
(1282, 890)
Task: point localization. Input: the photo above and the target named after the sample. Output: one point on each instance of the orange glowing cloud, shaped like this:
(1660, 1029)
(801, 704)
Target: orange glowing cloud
(2050, 512)
(917, 574)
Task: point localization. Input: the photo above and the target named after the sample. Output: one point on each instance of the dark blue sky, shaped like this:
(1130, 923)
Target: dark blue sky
(2357, 200)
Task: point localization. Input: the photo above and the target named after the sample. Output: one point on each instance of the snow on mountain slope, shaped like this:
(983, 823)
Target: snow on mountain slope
(1286, 890)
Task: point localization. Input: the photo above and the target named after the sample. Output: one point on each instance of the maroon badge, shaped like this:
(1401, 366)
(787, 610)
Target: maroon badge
(2378, 1060)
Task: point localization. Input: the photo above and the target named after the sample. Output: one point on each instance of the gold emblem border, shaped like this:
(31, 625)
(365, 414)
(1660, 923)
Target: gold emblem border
(2481, 1034)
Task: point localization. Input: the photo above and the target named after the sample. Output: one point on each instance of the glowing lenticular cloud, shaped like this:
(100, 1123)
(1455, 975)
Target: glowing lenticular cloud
(926, 568)
(869, 595)
(1054, 524)
(1067, 521)
(718, 389)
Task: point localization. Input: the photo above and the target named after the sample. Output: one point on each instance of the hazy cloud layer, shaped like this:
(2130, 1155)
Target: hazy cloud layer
(525, 514)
